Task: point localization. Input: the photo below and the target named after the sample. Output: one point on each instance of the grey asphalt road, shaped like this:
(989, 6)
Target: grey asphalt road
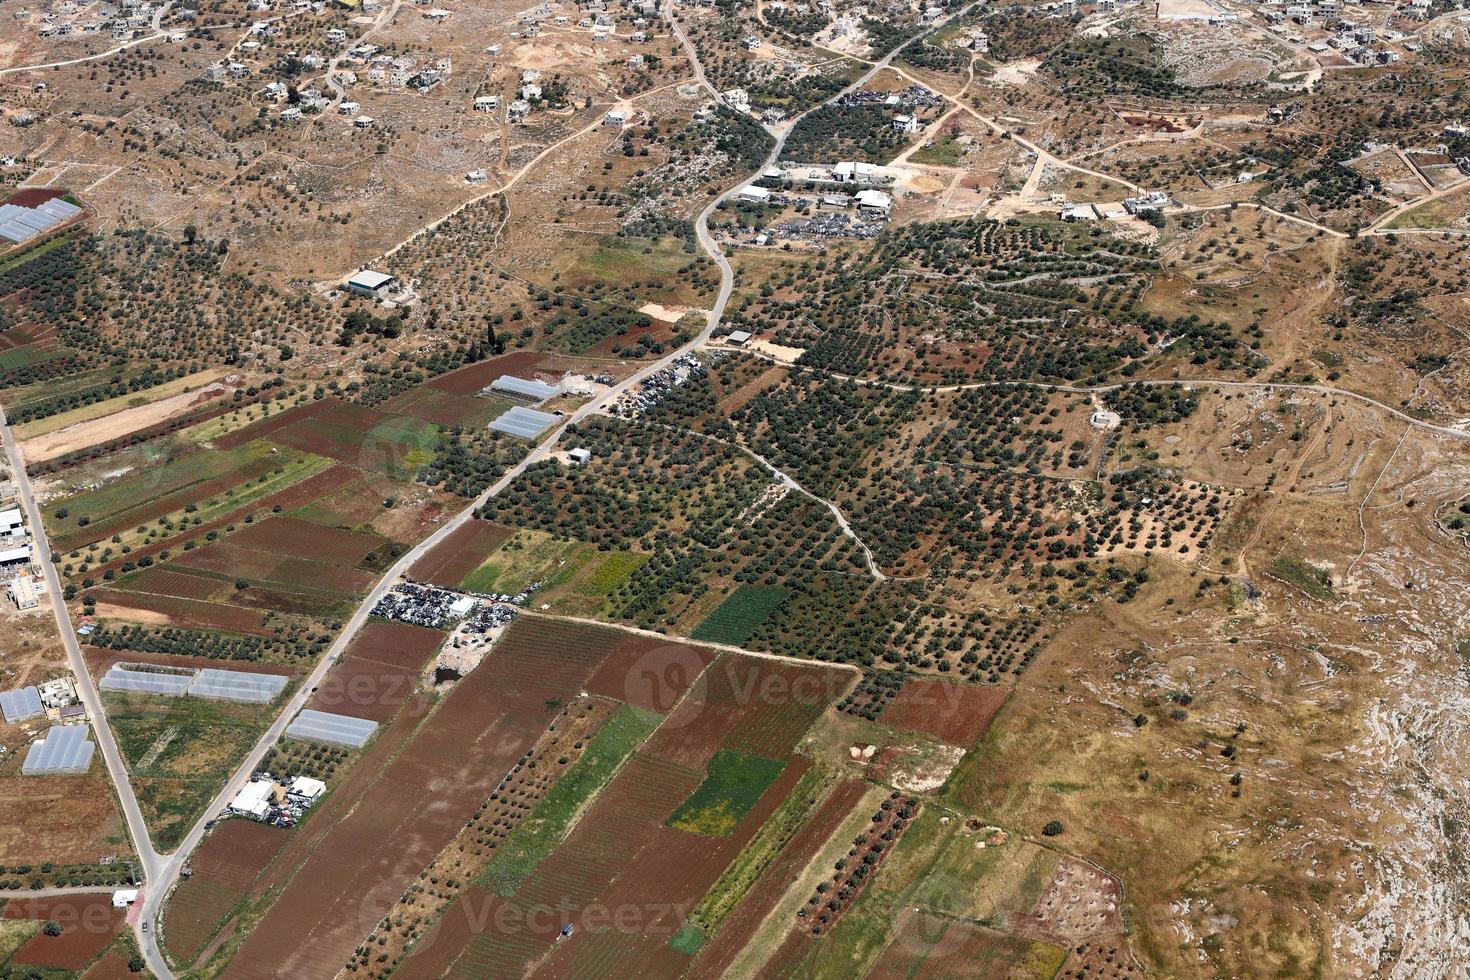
(148, 858)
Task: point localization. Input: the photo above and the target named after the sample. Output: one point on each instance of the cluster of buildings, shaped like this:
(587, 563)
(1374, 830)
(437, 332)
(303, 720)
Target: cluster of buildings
(65, 748)
(55, 700)
(72, 19)
(17, 569)
(278, 802)
(1143, 206)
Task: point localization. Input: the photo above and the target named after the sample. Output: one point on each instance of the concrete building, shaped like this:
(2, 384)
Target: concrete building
(754, 195)
(254, 800)
(369, 283)
(874, 203)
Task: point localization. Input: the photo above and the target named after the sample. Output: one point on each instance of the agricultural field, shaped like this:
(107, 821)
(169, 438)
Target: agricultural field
(1031, 553)
(179, 751)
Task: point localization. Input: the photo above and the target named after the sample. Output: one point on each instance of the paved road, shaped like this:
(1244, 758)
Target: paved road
(148, 858)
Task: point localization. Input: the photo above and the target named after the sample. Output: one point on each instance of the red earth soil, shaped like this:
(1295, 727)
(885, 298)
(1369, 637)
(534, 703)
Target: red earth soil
(225, 866)
(419, 802)
(100, 659)
(662, 887)
(434, 405)
(624, 880)
(187, 612)
(953, 712)
(277, 422)
(649, 673)
(113, 966)
(88, 923)
(32, 196)
(289, 499)
(448, 562)
(231, 558)
(378, 673)
(288, 535)
(750, 705)
(475, 377)
(931, 946)
(739, 927)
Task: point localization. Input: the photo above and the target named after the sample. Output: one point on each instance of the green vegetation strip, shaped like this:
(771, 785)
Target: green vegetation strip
(733, 784)
(725, 894)
(738, 617)
(557, 813)
(1304, 575)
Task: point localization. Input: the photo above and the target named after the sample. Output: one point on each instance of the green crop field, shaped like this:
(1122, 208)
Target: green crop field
(733, 783)
(756, 856)
(554, 818)
(179, 751)
(736, 619)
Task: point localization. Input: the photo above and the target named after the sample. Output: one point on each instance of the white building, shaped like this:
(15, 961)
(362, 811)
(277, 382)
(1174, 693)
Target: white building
(616, 117)
(254, 800)
(755, 195)
(305, 789)
(874, 202)
(851, 172)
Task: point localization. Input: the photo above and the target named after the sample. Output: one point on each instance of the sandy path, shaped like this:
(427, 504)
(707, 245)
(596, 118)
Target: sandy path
(115, 426)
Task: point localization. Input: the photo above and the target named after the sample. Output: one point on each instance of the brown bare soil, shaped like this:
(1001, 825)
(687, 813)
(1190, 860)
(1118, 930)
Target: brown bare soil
(358, 872)
(739, 928)
(88, 923)
(225, 866)
(954, 712)
(379, 672)
(448, 562)
(932, 946)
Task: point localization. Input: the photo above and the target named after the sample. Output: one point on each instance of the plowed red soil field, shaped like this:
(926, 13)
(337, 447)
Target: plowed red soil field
(748, 704)
(229, 557)
(624, 880)
(448, 562)
(474, 377)
(934, 946)
(378, 673)
(951, 711)
(187, 612)
(225, 867)
(443, 407)
(421, 799)
(650, 673)
(88, 923)
(289, 536)
(740, 925)
(289, 499)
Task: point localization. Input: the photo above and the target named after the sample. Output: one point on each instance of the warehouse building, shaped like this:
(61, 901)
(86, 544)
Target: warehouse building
(13, 559)
(370, 284)
(254, 800)
(64, 750)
